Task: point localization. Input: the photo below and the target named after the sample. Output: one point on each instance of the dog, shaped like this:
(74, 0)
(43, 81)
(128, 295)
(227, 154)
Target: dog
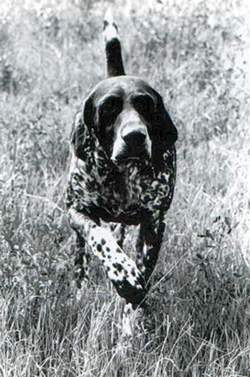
(122, 171)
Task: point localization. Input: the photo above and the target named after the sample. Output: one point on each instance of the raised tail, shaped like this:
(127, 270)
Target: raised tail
(112, 47)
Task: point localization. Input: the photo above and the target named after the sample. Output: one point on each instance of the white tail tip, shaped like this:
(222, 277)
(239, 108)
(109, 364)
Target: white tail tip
(110, 30)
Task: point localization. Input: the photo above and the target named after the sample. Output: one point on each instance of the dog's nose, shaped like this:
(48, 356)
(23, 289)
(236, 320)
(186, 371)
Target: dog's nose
(135, 138)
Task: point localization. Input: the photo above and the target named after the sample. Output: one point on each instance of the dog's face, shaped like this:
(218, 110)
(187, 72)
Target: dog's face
(129, 119)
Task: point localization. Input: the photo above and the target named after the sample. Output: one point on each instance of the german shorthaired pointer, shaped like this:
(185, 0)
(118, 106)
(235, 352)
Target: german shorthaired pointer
(122, 171)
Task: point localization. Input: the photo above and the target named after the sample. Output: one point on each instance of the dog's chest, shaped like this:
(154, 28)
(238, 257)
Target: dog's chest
(123, 189)
(94, 184)
(118, 191)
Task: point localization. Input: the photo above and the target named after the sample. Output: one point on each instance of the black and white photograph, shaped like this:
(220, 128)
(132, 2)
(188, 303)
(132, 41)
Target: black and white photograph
(124, 188)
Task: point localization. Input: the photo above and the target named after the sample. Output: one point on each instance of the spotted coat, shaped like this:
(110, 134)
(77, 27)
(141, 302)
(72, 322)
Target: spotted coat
(122, 171)
(98, 192)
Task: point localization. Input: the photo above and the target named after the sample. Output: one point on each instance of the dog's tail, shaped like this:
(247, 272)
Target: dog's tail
(112, 47)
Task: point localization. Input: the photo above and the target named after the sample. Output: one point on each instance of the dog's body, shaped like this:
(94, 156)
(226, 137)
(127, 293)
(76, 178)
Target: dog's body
(122, 171)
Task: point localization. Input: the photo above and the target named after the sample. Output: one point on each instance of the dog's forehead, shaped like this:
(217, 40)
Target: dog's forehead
(122, 86)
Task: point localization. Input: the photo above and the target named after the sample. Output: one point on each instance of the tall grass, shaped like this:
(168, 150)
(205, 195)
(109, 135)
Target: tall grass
(193, 53)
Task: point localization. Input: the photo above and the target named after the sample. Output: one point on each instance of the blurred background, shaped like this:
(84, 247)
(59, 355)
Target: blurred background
(196, 54)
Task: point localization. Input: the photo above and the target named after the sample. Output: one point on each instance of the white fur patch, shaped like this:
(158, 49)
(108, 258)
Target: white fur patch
(130, 122)
(110, 31)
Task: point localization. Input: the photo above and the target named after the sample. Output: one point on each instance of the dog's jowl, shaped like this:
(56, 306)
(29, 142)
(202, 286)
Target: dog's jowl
(122, 171)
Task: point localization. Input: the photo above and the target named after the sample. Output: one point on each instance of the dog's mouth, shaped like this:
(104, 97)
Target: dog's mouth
(131, 143)
(125, 157)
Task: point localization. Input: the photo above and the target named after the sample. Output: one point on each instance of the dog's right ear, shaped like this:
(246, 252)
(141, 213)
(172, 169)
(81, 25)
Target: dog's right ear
(78, 135)
(83, 122)
(89, 112)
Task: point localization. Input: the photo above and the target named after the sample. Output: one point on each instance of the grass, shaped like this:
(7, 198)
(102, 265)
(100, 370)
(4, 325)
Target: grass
(194, 55)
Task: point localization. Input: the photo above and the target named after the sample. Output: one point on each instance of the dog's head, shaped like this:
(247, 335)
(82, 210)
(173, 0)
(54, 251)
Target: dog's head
(129, 119)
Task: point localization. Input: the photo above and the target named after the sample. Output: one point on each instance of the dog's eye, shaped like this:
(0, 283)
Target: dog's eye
(144, 104)
(112, 106)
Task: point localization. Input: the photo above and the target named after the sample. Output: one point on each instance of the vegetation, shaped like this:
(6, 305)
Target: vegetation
(194, 53)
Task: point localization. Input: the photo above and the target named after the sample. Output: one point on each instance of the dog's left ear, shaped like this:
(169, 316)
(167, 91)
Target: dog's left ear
(163, 126)
(163, 132)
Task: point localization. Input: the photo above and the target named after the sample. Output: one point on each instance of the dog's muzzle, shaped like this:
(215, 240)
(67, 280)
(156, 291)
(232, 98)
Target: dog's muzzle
(134, 139)
(133, 142)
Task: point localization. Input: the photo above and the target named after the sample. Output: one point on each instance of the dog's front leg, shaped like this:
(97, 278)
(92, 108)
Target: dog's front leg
(120, 269)
(149, 244)
(82, 258)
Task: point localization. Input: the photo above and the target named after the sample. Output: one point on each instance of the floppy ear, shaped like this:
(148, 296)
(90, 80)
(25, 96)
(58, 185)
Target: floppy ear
(164, 133)
(89, 112)
(163, 125)
(81, 136)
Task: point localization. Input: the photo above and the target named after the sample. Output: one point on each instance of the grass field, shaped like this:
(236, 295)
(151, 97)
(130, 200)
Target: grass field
(196, 53)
